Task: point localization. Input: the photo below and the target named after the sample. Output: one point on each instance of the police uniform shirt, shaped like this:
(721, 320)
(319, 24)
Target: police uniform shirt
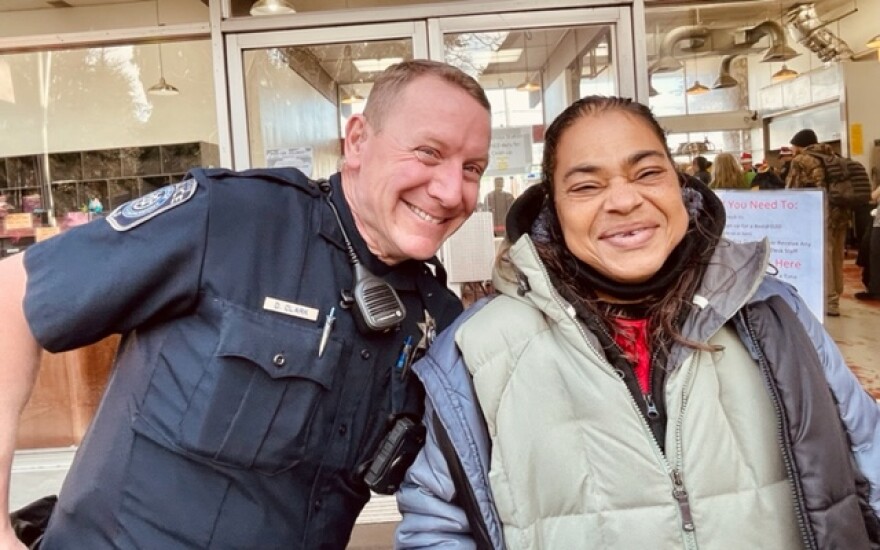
(221, 427)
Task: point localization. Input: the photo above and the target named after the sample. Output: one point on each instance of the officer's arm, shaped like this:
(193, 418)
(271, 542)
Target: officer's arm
(20, 362)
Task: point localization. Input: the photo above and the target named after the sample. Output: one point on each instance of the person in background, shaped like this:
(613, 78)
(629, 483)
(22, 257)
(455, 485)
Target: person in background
(701, 166)
(498, 202)
(727, 173)
(252, 389)
(766, 178)
(748, 169)
(785, 156)
(869, 255)
(639, 381)
(806, 172)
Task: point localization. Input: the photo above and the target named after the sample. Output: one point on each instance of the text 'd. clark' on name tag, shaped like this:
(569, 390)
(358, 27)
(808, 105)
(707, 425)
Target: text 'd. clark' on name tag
(289, 308)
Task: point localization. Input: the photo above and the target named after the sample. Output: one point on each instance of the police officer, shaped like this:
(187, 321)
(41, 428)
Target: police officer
(249, 396)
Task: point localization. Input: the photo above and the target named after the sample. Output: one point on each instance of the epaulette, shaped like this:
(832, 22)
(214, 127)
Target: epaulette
(285, 176)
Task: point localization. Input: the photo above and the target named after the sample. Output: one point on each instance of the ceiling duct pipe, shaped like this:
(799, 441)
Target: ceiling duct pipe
(779, 50)
(666, 61)
(805, 26)
(725, 80)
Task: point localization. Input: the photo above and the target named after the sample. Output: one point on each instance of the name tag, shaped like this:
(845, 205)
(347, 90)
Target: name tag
(289, 308)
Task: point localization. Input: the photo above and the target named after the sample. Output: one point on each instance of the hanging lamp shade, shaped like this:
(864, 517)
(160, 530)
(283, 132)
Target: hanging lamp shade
(697, 89)
(162, 88)
(272, 7)
(783, 74)
(351, 97)
(529, 85)
(874, 42)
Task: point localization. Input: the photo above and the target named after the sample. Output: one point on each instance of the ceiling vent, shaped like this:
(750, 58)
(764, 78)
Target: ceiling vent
(805, 26)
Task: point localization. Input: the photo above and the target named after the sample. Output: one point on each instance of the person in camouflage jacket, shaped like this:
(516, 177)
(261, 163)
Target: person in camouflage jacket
(806, 171)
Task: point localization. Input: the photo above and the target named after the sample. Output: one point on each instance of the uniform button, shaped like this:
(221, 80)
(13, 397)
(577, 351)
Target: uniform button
(318, 504)
(365, 354)
(343, 429)
(279, 360)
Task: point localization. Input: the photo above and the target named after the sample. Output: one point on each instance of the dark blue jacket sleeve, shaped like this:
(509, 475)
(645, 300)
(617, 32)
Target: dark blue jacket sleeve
(93, 280)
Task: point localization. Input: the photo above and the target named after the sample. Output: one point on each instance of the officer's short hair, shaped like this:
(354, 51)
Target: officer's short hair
(393, 80)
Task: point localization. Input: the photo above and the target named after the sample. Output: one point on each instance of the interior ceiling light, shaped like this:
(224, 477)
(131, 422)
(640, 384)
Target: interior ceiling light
(529, 85)
(486, 57)
(272, 7)
(375, 65)
(874, 42)
(351, 97)
(697, 89)
(161, 88)
(783, 74)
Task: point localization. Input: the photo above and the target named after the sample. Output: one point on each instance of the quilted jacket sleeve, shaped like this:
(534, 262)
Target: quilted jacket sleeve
(858, 410)
(430, 517)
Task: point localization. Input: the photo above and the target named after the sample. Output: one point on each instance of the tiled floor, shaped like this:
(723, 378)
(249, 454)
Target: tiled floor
(856, 331)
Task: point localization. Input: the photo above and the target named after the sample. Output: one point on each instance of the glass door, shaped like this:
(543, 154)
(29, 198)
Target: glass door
(291, 92)
(532, 65)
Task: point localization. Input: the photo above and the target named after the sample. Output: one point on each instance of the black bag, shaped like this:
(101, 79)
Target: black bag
(29, 523)
(846, 180)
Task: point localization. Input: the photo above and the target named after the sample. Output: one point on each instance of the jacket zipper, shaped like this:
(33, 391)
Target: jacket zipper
(681, 498)
(464, 491)
(781, 430)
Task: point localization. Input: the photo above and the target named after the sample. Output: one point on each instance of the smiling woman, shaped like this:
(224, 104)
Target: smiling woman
(623, 371)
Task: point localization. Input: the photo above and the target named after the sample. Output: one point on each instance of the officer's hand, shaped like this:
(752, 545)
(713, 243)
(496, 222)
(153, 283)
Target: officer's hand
(8, 540)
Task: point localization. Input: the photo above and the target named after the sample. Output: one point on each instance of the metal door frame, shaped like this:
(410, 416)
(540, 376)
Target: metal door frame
(619, 18)
(237, 44)
(426, 34)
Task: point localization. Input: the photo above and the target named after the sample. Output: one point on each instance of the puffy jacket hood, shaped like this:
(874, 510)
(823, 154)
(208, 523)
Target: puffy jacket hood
(731, 279)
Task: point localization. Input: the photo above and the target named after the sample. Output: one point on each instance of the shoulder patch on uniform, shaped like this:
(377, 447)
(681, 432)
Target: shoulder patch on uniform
(133, 213)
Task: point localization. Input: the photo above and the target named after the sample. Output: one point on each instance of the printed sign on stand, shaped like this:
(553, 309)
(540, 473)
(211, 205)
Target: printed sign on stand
(511, 151)
(301, 158)
(793, 222)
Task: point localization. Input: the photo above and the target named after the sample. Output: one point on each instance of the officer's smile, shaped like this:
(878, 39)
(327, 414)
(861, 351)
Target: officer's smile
(424, 215)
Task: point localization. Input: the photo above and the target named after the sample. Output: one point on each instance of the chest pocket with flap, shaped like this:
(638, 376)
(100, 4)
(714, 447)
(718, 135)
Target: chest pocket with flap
(254, 404)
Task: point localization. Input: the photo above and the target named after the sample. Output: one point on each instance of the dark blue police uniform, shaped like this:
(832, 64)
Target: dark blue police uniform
(221, 427)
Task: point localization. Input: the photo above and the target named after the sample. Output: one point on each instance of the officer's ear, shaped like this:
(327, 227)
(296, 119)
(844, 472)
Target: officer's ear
(355, 136)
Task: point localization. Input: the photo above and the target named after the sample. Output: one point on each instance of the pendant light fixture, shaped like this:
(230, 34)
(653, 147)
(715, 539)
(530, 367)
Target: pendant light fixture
(783, 74)
(350, 96)
(272, 7)
(161, 88)
(696, 88)
(528, 85)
